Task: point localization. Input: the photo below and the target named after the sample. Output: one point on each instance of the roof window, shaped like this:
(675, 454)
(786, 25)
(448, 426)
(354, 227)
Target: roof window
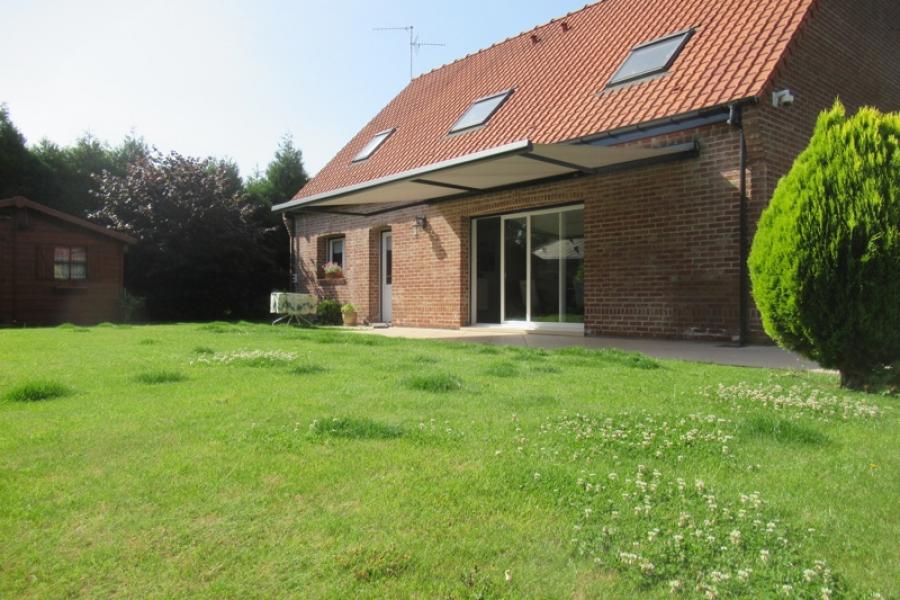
(651, 57)
(369, 149)
(480, 112)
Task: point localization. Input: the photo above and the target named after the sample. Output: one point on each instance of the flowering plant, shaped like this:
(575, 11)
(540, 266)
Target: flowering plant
(333, 269)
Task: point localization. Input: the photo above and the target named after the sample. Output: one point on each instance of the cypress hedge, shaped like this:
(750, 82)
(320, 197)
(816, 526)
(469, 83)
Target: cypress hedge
(825, 261)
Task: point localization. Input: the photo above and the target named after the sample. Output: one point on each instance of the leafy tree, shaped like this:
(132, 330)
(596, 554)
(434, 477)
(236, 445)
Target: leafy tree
(284, 177)
(19, 170)
(199, 254)
(825, 263)
(70, 171)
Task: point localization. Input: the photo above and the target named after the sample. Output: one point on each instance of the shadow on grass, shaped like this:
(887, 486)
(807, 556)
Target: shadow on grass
(767, 427)
(354, 428)
(221, 327)
(35, 391)
(159, 376)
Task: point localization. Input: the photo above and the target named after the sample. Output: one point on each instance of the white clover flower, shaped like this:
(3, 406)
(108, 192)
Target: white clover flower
(743, 574)
(735, 537)
(764, 555)
(809, 575)
(676, 586)
(787, 590)
(826, 593)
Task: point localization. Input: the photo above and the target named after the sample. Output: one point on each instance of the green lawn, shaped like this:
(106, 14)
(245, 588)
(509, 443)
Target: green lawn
(240, 461)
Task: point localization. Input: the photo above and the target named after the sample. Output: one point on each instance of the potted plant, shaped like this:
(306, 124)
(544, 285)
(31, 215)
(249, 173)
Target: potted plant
(348, 312)
(333, 271)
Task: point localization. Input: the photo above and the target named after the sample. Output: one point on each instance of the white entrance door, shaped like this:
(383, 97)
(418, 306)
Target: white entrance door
(386, 275)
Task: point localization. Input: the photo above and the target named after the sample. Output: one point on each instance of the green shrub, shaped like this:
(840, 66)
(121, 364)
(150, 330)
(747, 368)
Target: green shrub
(34, 391)
(825, 262)
(328, 312)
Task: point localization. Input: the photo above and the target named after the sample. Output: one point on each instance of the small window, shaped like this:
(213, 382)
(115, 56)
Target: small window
(480, 112)
(651, 57)
(69, 263)
(336, 251)
(369, 149)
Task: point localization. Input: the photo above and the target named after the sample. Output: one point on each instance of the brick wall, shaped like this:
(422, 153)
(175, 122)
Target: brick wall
(38, 299)
(662, 256)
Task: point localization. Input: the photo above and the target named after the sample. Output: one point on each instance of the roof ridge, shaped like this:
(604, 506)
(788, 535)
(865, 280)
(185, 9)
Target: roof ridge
(508, 39)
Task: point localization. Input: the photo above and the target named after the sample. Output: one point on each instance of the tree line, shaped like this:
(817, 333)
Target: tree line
(208, 246)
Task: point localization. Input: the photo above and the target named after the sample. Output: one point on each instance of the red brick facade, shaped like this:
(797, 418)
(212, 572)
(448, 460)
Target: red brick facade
(662, 255)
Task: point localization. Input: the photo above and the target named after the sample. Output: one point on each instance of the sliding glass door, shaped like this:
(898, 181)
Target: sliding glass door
(541, 268)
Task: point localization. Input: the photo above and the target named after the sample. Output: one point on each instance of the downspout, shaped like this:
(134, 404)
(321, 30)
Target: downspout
(13, 267)
(290, 225)
(735, 120)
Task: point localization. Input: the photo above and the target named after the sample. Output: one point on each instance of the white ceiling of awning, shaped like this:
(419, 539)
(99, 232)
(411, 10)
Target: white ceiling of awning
(516, 163)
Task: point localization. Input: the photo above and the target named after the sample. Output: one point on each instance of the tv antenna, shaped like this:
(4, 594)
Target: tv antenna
(414, 43)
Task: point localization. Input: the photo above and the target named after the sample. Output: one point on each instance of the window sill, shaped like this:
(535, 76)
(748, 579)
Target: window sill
(66, 286)
(332, 281)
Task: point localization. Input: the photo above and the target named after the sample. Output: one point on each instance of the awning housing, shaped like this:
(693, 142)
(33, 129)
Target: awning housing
(516, 163)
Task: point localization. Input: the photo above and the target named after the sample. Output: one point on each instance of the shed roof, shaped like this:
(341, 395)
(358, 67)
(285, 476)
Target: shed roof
(22, 202)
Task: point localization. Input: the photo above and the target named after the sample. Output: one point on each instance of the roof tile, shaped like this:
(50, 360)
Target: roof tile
(559, 81)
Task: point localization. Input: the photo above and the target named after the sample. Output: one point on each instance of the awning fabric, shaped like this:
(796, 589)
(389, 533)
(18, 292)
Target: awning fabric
(515, 163)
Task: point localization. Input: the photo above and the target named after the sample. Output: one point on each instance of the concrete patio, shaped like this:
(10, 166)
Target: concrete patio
(710, 352)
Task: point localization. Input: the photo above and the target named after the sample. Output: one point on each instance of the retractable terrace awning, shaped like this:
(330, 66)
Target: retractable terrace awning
(516, 163)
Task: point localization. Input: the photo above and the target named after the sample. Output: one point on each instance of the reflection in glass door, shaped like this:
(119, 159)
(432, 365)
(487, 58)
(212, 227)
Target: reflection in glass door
(540, 256)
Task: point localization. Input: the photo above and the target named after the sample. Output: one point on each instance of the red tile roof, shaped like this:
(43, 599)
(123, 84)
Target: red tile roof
(559, 81)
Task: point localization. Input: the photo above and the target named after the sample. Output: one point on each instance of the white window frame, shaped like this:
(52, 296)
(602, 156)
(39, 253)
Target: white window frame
(330, 252)
(473, 279)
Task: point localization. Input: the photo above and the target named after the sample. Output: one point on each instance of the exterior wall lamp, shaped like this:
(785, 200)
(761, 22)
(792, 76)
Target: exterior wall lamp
(419, 225)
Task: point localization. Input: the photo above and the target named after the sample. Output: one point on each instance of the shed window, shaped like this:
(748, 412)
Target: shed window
(651, 57)
(336, 251)
(69, 263)
(480, 111)
(369, 149)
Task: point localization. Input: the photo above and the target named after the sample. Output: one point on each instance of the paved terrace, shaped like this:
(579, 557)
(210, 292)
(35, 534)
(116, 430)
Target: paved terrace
(710, 352)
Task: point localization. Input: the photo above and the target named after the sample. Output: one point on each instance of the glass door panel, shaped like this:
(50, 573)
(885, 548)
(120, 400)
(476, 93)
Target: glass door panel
(573, 266)
(545, 267)
(515, 268)
(487, 270)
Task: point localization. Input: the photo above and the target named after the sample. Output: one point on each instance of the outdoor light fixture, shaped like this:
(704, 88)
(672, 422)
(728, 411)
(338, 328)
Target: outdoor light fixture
(782, 98)
(419, 225)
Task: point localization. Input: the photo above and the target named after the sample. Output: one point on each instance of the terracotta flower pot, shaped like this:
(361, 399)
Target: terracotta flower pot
(337, 275)
(349, 318)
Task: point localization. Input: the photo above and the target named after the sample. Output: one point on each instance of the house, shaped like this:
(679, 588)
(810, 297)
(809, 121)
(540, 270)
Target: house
(56, 268)
(602, 173)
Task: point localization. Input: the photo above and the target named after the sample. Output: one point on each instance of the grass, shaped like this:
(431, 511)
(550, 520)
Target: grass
(280, 462)
(35, 391)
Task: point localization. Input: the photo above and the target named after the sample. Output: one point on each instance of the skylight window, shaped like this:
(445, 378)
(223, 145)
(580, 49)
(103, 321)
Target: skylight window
(651, 57)
(480, 112)
(369, 149)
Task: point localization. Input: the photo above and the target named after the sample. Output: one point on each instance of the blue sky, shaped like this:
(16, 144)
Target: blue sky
(227, 78)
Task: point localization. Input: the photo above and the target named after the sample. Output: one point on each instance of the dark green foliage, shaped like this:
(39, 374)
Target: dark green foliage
(437, 383)
(825, 263)
(328, 312)
(354, 428)
(34, 391)
(159, 376)
(203, 350)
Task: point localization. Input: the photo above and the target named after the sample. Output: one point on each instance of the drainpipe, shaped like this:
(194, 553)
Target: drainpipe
(290, 225)
(735, 120)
